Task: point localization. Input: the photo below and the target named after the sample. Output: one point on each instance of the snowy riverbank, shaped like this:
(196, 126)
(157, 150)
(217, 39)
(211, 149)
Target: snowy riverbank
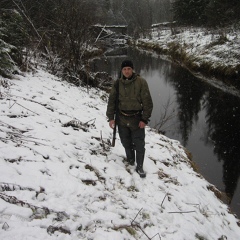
(61, 180)
(211, 53)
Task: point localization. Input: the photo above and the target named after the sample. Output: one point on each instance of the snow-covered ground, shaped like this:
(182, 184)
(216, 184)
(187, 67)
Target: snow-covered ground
(60, 179)
(217, 46)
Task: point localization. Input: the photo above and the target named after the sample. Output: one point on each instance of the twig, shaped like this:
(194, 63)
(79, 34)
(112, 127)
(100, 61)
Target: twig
(103, 145)
(12, 105)
(23, 107)
(156, 235)
(136, 215)
(183, 212)
(138, 226)
(21, 137)
(100, 33)
(164, 198)
(29, 20)
(134, 225)
(27, 99)
(22, 131)
(94, 119)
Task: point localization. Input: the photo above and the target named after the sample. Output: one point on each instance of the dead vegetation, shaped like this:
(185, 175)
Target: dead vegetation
(77, 124)
(166, 178)
(220, 195)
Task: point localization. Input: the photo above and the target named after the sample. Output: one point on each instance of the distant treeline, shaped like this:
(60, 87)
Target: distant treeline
(61, 29)
(214, 13)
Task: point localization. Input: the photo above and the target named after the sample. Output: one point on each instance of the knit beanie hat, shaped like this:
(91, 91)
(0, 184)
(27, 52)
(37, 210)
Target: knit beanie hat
(127, 63)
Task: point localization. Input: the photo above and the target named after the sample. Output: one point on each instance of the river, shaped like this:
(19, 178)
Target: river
(205, 119)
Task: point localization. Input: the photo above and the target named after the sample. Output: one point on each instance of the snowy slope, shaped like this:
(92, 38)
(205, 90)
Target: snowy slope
(219, 47)
(60, 179)
(212, 55)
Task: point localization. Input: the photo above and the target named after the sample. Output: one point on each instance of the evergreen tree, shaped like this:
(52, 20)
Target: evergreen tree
(190, 11)
(13, 38)
(222, 12)
(206, 12)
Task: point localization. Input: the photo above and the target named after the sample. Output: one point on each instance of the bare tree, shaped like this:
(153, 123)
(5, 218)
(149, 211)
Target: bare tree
(165, 116)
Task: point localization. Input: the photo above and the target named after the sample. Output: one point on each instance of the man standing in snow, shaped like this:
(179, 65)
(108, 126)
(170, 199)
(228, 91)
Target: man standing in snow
(134, 108)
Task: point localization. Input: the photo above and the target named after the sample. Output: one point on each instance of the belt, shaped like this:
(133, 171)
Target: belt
(129, 114)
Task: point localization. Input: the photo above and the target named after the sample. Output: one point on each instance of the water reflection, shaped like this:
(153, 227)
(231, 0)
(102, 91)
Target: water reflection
(189, 95)
(222, 116)
(206, 119)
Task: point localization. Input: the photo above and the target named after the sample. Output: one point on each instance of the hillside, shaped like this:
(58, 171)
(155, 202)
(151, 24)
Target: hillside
(60, 179)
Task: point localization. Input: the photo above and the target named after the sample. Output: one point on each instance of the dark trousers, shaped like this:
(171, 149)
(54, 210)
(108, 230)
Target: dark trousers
(133, 140)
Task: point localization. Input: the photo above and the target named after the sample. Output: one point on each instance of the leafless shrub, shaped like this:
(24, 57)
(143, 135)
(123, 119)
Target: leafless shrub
(77, 124)
(165, 116)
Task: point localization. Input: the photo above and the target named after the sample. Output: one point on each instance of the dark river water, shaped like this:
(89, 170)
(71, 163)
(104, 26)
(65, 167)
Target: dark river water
(205, 119)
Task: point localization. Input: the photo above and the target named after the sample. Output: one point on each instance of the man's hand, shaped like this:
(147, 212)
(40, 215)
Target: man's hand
(142, 124)
(112, 123)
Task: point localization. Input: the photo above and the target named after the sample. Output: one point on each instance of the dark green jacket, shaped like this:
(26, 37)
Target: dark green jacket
(134, 95)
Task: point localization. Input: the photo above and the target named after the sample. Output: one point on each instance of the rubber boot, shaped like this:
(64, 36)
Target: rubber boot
(139, 169)
(130, 153)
